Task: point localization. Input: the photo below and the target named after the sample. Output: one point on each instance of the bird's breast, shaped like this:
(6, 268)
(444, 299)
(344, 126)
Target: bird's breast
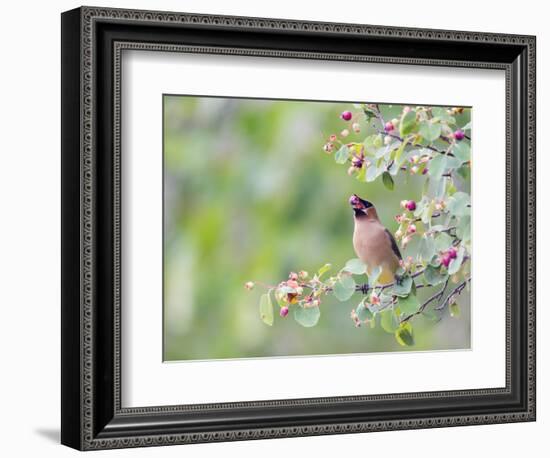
(371, 243)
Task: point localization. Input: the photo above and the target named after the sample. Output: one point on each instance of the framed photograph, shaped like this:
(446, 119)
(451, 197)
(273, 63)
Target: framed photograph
(276, 228)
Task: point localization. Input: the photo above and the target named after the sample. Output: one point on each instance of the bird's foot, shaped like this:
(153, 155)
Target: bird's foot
(364, 288)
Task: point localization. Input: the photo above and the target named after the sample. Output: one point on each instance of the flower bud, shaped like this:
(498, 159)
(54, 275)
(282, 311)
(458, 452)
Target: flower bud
(452, 252)
(332, 138)
(293, 276)
(388, 127)
(292, 284)
(346, 115)
(398, 234)
(374, 299)
(356, 127)
(344, 133)
(395, 122)
(249, 285)
(303, 274)
(328, 147)
(387, 140)
(411, 229)
(406, 109)
(445, 260)
(284, 311)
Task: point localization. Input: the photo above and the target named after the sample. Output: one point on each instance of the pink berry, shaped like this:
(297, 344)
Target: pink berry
(388, 127)
(284, 311)
(411, 229)
(446, 260)
(452, 252)
(346, 115)
(459, 135)
(411, 205)
(354, 200)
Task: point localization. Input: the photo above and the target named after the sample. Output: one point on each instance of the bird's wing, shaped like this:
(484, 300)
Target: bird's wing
(394, 246)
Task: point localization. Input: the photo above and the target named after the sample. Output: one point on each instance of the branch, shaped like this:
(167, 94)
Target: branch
(365, 287)
(455, 292)
(436, 297)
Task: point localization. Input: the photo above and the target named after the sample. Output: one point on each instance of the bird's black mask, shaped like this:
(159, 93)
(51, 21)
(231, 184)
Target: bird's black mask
(360, 206)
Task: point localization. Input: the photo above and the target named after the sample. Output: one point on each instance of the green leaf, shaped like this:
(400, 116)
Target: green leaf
(441, 113)
(307, 316)
(372, 173)
(427, 212)
(456, 263)
(372, 143)
(388, 320)
(399, 151)
(430, 131)
(409, 304)
(404, 334)
(266, 309)
(467, 126)
(454, 310)
(458, 204)
(443, 241)
(402, 286)
(437, 166)
(342, 155)
(431, 315)
(363, 312)
(387, 180)
(464, 172)
(426, 249)
(344, 288)
(408, 123)
(452, 163)
(461, 150)
(463, 230)
(323, 270)
(355, 266)
(434, 276)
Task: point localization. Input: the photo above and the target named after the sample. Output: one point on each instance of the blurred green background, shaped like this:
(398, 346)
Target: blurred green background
(249, 194)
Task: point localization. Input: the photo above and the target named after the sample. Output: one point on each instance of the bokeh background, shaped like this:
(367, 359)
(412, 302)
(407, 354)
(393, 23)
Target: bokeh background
(249, 194)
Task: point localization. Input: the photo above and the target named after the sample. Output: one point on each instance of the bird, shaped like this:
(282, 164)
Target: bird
(372, 242)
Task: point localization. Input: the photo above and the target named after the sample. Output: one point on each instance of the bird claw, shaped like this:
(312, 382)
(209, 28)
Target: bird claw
(364, 288)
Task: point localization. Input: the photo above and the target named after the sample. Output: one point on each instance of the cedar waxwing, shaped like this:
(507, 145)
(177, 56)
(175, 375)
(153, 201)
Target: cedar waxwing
(372, 242)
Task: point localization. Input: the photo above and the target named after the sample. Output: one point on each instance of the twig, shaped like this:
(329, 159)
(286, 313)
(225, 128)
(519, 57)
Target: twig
(455, 292)
(437, 296)
(365, 287)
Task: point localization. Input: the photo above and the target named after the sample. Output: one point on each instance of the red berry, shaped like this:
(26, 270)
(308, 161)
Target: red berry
(459, 135)
(411, 205)
(452, 252)
(284, 311)
(388, 127)
(346, 115)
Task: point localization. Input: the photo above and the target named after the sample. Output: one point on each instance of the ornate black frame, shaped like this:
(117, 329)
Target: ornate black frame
(92, 42)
